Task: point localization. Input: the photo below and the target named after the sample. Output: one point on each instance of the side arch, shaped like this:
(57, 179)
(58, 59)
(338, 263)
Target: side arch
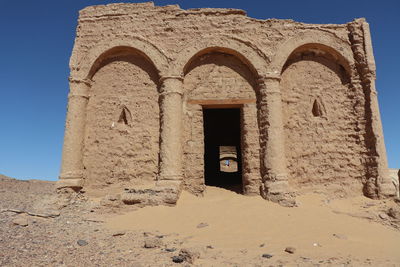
(323, 115)
(337, 48)
(84, 67)
(249, 54)
(121, 141)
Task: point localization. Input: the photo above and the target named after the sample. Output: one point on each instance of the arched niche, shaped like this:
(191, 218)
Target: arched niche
(84, 65)
(324, 42)
(322, 114)
(325, 55)
(127, 54)
(247, 53)
(121, 143)
(219, 75)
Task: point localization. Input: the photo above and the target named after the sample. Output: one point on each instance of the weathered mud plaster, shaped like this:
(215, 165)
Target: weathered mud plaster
(273, 164)
(72, 158)
(141, 76)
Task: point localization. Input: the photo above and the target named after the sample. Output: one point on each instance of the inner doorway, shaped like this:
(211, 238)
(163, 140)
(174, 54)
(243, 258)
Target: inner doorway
(222, 148)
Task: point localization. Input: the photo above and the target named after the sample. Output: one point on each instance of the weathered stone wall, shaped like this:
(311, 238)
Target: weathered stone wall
(306, 91)
(122, 148)
(193, 148)
(250, 150)
(324, 124)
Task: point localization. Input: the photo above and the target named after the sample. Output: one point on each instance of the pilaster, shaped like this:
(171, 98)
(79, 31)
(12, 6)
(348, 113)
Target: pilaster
(171, 154)
(272, 142)
(71, 174)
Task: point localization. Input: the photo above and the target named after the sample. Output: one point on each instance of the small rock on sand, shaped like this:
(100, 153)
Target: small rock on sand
(21, 221)
(202, 225)
(189, 254)
(81, 242)
(266, 255)
(394, 212)
(290, 250)
(339, 236)
(178, 259)
(152, 242)
(383, 216)
(118, 233)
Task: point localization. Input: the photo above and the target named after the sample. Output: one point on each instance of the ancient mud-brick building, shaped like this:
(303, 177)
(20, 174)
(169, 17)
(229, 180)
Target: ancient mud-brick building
(155, 92)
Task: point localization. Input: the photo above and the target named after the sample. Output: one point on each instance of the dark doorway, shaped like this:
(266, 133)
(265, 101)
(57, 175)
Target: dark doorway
(222, 155)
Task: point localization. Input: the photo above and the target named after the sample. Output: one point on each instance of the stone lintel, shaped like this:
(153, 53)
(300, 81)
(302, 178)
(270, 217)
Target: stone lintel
(210, 103)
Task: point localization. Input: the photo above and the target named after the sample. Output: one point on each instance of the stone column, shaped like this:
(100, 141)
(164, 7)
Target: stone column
(272, 153)
(171, 155)
(385, 186)
(72, 166)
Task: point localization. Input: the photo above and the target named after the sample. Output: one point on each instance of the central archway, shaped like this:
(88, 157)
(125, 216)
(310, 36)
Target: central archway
(221, 77)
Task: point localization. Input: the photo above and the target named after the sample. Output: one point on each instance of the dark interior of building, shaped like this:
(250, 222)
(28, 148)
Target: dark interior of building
(222, 128)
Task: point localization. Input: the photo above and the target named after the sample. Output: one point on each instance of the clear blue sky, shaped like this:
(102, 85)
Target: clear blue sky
(36, 39)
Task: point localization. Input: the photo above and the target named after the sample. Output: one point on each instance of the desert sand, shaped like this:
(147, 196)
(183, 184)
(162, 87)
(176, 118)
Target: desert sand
(234, 223)
(39, 227)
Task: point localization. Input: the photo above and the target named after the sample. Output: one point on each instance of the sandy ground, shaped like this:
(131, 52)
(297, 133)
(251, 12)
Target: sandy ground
(40, 228)
(318, 229)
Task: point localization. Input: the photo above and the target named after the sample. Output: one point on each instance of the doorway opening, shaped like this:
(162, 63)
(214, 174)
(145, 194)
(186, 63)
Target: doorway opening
(222, 148)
